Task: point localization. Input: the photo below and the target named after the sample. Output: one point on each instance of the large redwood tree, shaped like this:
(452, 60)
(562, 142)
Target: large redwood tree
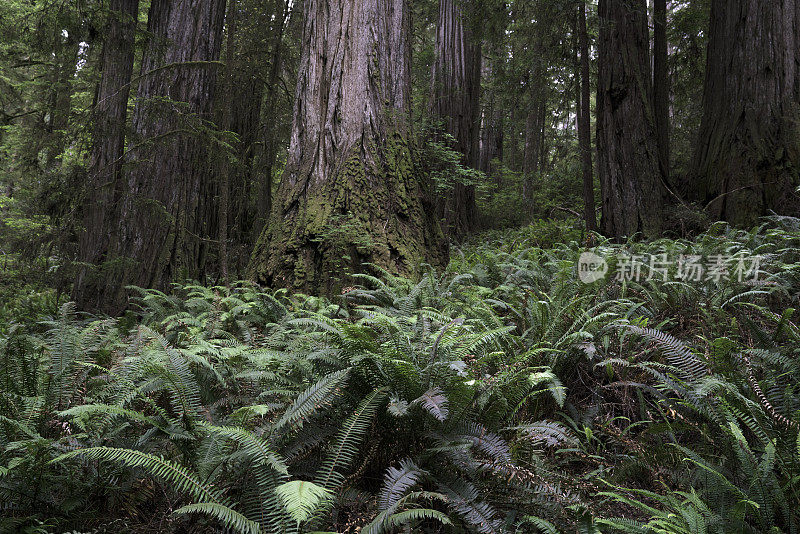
(160, 234)
(747, 158)
(104, 186)
(455, 98)
(349, 194)
(631, 182)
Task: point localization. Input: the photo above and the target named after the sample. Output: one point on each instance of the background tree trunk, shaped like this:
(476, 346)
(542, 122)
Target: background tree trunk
(456, 84)
(349, 193)
(492, 127)
(270, 136)
(226, 122)
(630, 177)
(661, 85)
(747, 158)
(104, 185)
(585, 122)
(533, 154)
(162, 230)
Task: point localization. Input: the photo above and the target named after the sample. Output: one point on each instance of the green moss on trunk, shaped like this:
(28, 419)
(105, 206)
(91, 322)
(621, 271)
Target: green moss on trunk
(370, 213)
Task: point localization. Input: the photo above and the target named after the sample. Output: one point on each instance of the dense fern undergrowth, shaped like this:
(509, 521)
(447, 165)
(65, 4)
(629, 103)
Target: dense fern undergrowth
(503, 395)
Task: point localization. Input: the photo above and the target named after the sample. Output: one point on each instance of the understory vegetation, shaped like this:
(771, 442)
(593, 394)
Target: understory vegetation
(502, 395)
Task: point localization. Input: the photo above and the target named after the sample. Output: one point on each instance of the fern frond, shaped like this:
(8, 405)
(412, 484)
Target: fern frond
(226, 516)
(312, 399)
(397, 482)
(302, 499)
(349, 438)
(434, 402)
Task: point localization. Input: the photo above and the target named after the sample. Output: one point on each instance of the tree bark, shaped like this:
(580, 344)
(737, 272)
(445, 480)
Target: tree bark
(533, 150)
(661, 86)
(456, 81)
(747, 158)
(585, 122)
(630, 179)
(162, 233)
(104, 182)
(349, 193)
(491, 135)
(225, 168)
(270, 134)
(533, 153)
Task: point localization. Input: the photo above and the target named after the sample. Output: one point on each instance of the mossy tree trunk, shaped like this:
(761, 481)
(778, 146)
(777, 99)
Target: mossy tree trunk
(161, 233)
(632, 187)
(455, 98)
(104, 186)
(349, 193)
(747, 158)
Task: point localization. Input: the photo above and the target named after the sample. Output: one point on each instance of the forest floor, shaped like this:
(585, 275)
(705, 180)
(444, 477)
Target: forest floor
(537, 385)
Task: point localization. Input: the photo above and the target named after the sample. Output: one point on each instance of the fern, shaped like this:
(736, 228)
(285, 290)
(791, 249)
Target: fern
(302, 499)
(350, 436)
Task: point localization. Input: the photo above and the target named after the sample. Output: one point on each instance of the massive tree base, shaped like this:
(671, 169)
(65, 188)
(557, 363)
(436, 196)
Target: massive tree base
(747, 162)
(750, 168)
(350, 194)
(631, 180)
(370, 213)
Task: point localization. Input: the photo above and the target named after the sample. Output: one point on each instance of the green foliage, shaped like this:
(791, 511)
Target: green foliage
(444, 164)
(502, 395)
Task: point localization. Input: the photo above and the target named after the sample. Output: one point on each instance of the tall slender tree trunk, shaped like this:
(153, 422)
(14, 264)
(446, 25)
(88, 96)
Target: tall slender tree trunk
(65, 56)
(747, 157)
(270, 136)
(491, 140)
(456, 81)
(162, 232)
(349, 194)
(533, 153)
(630, 178)
(661, 85)
(585, 122)
(225, 124)
(104, 182)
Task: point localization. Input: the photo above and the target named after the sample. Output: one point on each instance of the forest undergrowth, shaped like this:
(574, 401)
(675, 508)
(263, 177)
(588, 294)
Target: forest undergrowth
(502, 395)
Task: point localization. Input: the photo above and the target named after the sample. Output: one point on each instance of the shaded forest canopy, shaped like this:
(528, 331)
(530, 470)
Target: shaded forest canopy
(399, 265)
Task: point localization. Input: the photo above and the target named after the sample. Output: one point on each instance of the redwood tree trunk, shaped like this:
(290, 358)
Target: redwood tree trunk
(661, 84)
(533, 153)
(162, 233)
(270, 136)
(747, 158)
(585, 123)
(349, 193)
(630, 179)
(491, 134)
(456, 83)
(104, 182)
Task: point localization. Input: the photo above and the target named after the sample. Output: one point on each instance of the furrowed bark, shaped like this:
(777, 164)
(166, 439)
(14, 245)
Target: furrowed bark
(349, 193)
(585, 122)
(456, 81)
(661, 84)
(104, 182)
(630, 178)
(161, 234)
(747, 158)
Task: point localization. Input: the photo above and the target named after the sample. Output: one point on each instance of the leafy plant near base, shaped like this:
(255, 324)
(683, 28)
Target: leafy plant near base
(502, 395)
